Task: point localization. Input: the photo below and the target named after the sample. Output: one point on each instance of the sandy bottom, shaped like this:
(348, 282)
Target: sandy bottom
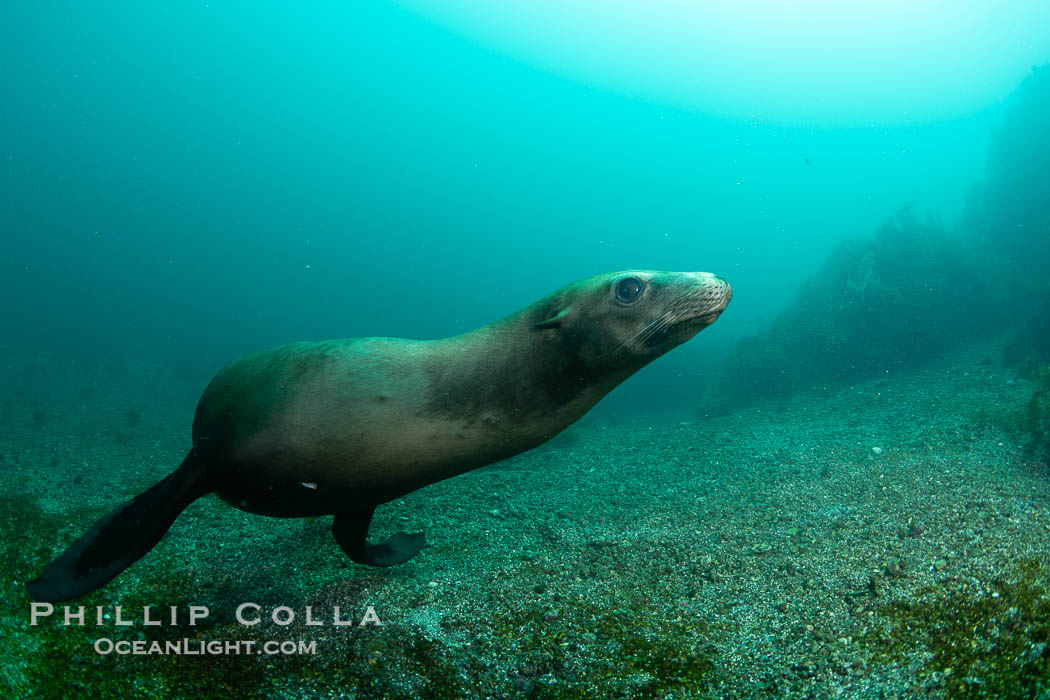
(888, 539)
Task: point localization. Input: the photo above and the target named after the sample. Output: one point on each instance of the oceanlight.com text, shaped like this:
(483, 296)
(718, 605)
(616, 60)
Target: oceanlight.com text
(197, 647)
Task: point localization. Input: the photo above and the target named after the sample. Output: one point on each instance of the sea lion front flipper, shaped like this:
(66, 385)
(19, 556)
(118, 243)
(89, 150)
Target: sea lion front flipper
(350, 530)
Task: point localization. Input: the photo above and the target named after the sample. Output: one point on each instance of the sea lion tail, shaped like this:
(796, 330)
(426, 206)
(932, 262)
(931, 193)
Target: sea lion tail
(123, 536)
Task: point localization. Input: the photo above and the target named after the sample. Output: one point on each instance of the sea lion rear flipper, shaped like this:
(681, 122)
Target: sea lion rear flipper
(351, 529)
(122, 537)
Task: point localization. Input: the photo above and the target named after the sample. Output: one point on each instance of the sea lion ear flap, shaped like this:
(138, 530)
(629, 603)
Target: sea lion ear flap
(554, 321)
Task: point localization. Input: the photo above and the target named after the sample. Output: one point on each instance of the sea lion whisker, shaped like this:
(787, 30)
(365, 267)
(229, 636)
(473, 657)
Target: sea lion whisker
(665, 320)
(640, 332)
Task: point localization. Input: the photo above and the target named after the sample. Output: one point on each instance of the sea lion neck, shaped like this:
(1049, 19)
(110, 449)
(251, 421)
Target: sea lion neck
(516, 371)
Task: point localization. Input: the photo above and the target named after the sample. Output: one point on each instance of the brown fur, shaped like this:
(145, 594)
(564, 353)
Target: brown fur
(367, 420)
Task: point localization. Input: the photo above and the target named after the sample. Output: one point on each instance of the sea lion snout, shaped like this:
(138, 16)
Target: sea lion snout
(720, 291)
(683, 305)
(712, 278)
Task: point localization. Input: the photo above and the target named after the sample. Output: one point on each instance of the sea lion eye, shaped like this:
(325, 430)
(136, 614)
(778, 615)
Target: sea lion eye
(629, 289)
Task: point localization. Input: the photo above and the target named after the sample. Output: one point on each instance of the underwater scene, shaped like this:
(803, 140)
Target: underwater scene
(525, 349)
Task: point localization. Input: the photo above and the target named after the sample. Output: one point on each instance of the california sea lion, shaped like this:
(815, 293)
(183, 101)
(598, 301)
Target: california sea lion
(341, 426)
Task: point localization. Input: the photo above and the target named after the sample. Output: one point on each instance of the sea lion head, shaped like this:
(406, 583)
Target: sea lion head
(630, 318)
(547, 364)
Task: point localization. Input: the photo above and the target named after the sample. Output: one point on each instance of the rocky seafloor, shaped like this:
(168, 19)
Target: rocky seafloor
(887, 539)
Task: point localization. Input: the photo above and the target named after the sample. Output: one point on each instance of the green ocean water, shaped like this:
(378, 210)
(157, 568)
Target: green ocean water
(184, 183)
(224, 177)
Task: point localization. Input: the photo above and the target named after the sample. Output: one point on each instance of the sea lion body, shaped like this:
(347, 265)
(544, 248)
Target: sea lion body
(341, 426)
(353, 420)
